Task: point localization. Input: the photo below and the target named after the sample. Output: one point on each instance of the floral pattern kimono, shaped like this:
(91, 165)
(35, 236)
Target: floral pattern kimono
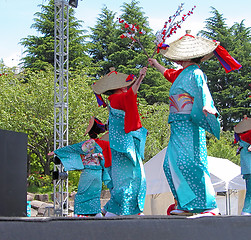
(86, 156)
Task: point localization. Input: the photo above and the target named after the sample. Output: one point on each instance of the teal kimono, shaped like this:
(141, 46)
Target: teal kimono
(185, 164)
(128, 177)
(246, 171)
(87, 199)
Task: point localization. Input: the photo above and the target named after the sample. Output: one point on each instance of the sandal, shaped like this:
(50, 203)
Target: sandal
(206, 213)
(178, 212)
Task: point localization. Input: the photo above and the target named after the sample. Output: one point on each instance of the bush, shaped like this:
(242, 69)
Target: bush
(40, 183)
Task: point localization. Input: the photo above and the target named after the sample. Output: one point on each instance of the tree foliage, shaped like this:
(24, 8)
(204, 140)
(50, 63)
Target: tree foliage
(230, 91)
(26, 99)
(40, 49)
(109, 50)
(103, 41)
(223, 148)
(27, 105)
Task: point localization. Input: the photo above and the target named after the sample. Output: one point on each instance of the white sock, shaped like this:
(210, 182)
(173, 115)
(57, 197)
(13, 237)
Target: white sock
(99, 215)
(109, 214)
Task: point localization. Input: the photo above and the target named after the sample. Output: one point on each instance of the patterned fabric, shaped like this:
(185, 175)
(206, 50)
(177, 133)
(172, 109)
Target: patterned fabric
(181, 103)
(247, 203)
(246, 171)
(245, 158)
(128, 177)
(87, 199)
(185, 163)
(91, 159)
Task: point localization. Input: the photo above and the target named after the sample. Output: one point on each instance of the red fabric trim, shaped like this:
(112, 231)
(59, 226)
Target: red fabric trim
(170, 208)
(112, 72)
(188, 35)
(228, 63)
(127, 102)
(172, 74)
(209, 212)
(106, 151)
(246, 137)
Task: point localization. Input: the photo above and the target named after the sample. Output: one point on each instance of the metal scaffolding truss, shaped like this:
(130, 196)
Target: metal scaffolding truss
(61, 65)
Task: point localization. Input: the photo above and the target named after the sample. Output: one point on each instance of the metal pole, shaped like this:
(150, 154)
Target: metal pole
(61, 65)
(227, 202)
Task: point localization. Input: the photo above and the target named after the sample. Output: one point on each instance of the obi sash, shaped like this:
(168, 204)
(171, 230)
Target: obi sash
(91, 159)
(181, 103)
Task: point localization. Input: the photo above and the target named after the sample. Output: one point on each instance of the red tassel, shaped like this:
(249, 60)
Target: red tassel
(226, 60)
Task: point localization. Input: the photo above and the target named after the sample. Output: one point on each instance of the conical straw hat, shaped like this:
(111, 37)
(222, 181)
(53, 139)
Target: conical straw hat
(112, 81)
(243, 126)
(189, 47)
(89, 127)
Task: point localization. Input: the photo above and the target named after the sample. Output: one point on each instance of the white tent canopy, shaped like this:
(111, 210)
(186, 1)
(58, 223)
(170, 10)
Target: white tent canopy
(225, 175)
(155, 177)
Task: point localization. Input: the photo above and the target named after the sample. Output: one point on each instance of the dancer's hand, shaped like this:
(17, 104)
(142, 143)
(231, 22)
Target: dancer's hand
(50, 153)
(207, 110)
(142, 72)
(153, 62)
(136, 84)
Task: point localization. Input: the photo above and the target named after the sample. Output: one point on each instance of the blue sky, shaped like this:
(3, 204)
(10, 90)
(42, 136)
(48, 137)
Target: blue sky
(17, 16)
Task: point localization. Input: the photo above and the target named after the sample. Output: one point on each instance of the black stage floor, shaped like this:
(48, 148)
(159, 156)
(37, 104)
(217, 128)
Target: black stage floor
(126, 228)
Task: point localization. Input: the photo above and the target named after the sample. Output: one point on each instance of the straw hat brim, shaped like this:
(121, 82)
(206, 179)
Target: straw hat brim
(89, 127)
(243, 126)
(189, 47)
(111, 81)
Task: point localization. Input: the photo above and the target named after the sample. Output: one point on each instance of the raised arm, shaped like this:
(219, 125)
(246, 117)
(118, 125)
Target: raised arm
(154, 63)
(136, 84)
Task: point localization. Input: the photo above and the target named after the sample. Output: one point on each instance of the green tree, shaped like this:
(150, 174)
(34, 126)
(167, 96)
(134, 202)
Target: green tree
(109, 50)
(230, 91)
(27, 105)
(155, 120)
(155, 87)
(103, 41)
(223, 148)
(40, 49)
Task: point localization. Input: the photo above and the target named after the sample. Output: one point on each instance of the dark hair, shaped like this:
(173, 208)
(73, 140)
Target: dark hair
(97, 128)
(93, 135)
(197, 60)
(109, 92)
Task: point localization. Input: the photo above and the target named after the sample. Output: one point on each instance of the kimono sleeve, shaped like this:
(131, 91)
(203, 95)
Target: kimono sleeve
(128, 103)
(172, 74)
(70, 156)
(202, 98)
(132, 118)
(105, 175)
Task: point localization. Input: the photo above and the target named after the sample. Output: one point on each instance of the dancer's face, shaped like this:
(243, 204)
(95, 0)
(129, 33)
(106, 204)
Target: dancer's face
(121, 90)
(124, 89)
